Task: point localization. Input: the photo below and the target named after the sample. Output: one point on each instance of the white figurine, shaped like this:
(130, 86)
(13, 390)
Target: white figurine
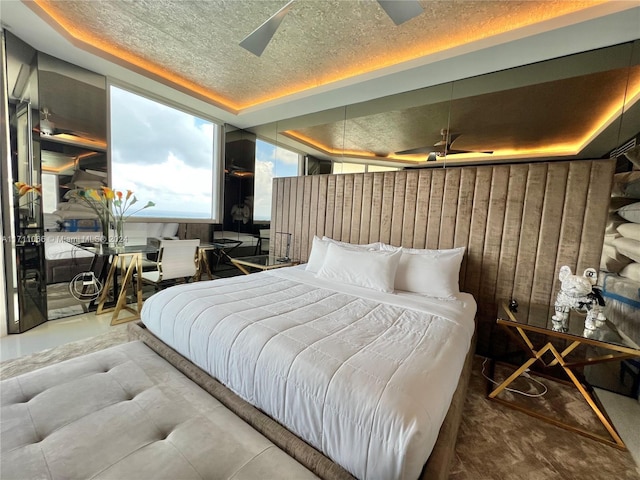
(577, 293)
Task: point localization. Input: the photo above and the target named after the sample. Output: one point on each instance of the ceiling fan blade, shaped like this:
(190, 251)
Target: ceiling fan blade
(415, 150)
(453, 151)
(452, 137)
(258, 40)
(401, 11)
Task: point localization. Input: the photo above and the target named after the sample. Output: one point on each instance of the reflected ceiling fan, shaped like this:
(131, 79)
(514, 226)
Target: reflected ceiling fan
(441, 148)
(257, 41)
(49, 128)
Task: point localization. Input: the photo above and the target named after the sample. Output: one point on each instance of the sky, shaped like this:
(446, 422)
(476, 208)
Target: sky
(163, 155)
(271, 161)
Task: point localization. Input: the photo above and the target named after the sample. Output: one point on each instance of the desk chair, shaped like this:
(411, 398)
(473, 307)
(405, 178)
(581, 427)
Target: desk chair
(176, 259)
(262, 245)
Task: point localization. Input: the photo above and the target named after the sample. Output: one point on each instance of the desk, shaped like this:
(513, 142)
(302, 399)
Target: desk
(219, 250)
(536, 319)
(128, 259)
(261, 262)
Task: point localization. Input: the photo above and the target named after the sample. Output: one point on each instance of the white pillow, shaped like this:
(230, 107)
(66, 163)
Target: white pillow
(631, 271)
(434, 273)
(154, 230)
(169, 230)
(319, 251)
(375, 269)
(611, 260)
(628, 247)
(629, 230)
(631, 212)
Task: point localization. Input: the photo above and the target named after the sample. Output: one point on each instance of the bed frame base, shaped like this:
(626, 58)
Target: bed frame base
(436, 468)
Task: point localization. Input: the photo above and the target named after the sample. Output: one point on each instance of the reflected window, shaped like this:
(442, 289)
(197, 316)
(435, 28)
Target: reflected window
(271, 162)
(49, 193)
(345, 167)
(164, 155)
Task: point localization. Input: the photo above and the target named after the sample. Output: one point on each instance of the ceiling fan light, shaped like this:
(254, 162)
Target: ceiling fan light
(47, 127)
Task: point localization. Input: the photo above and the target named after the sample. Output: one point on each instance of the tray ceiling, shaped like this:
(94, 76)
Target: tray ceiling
(195, 44)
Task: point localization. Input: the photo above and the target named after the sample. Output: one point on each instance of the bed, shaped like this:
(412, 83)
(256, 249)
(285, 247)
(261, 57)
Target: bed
(362, 372)
(64, 260)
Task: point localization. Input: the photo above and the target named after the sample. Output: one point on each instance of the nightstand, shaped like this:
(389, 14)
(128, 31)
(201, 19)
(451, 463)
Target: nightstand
(606, 345)
(261, 262)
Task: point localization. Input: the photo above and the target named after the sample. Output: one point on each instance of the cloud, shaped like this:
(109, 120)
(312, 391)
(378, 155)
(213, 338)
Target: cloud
(162, 154)
(142, 131)
(271, 161)
(172, 185)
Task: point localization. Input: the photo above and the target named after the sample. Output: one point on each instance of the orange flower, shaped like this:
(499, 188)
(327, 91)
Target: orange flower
(24, 188)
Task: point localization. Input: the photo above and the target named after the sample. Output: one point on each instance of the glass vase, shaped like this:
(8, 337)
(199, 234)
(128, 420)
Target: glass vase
(119, 232)
(104, 237)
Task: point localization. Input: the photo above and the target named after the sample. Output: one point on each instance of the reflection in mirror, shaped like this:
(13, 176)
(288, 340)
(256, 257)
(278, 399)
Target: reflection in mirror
(620, 263)
(239, 179)
(24, 256)
(71, 127)
(564, 108)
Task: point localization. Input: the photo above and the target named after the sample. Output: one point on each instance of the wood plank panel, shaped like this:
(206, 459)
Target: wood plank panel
(519, 222)
(366, 208)
(347, 208)
(376, 207)
(449, 208)
(463, 215)
(494, 232)
(356, 216)
(422, 209)
(397, 212)
(387, 206)
(482, 189)
(338, 208)
(530, 230)
(508, 260)
(409, 213)
(305, 243)
(435, 208)
(549, 233)
(313, 215)
(295, 227)
(323, 184)
(575, 201)
(331, 205)
(599, 194)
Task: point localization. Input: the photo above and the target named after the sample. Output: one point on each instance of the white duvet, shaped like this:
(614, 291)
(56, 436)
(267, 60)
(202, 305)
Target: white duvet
(57, 246)
(363, 376)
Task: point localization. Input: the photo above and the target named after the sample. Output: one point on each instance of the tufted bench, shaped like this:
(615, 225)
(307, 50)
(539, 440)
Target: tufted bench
(125, 413)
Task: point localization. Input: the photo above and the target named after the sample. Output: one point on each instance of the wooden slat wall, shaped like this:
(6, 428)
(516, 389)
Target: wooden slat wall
(519, 222)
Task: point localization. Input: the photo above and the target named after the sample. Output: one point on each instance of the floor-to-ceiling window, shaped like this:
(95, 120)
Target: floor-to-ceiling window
(165, 155)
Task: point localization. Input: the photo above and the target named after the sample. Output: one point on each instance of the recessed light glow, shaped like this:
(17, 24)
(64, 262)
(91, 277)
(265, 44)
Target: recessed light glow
(53, 13)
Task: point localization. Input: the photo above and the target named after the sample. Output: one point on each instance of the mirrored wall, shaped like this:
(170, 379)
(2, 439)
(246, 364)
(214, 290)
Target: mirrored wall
(582, 106)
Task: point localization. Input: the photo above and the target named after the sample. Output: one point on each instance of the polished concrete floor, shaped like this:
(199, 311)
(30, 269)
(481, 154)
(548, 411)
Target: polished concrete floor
(53, 333)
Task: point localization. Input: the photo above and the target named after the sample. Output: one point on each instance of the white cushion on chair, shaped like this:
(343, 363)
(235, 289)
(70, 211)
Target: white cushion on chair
(177, 259)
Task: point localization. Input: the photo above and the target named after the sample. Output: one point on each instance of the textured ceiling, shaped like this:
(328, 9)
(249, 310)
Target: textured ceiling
(326, 44)
(553, 118)
(195, 43)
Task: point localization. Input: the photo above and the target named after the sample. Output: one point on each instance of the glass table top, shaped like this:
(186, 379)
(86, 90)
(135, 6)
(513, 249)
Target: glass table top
(263, 261)
(537, 317)
(104, 249)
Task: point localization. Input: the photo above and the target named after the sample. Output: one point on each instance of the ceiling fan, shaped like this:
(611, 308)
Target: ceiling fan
(49, 128)
(257, 41)
(441, 148)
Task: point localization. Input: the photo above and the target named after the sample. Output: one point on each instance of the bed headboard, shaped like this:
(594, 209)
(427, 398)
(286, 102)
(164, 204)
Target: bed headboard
(519, 222)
